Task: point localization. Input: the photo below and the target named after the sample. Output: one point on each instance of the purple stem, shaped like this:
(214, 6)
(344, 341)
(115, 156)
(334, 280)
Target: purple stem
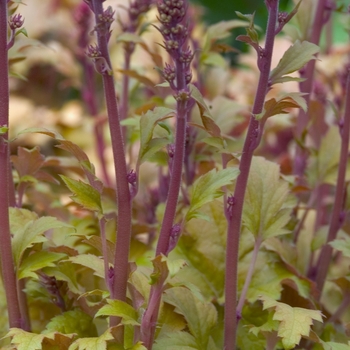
(7, 262)
(250, 144)
(326, 252)
(123, 194)
(89, 96)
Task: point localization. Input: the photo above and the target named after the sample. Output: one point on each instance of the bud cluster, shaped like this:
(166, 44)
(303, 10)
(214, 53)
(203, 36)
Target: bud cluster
(136, 9)
(175, 34)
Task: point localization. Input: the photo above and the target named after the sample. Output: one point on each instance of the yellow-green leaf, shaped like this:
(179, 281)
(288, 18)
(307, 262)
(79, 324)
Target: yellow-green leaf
(37, 261)
(200, 316)
(294, 59)
(91, 261)
(295, 322)
(92, 343)
(208, 187)
(264, 214)
(147, 124)
(121, 309)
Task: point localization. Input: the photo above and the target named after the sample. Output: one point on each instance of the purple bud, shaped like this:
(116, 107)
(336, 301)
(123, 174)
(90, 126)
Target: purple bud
(171, 150)
(131, 177)
(93, 51)
(174, 237)
(16, 21)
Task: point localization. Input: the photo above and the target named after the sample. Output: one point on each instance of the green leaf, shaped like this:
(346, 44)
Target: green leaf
(343, 245)
(121, 309)
(294, 59)
(126, 37)
(3, 129)
(295, 322)
(31, 233)
(263, 211)
(176, 341)
(91, 261)
(200, 316)
(323, 167)
(208, 187)
(331, 345)
(174, 265)
(37, 261)
(99, 343)
(204, 251)
(74, 321)
(84, 194)
(147, 124)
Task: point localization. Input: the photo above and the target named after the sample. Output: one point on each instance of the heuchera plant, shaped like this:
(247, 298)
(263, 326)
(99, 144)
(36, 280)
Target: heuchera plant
(216, 215)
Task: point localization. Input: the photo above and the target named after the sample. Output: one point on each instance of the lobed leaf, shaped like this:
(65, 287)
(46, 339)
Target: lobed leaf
(208, 187)
(295, 322)
(30, 341)
(263, 211)
(200, 316)
(293, 59)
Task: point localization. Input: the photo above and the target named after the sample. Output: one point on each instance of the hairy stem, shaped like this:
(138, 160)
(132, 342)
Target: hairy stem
(123, 194)
(7, 263)
(234, 222)
(336, 219)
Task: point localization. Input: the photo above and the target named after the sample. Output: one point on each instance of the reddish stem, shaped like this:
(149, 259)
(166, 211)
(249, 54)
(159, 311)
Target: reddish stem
(7, 262)
(123, 194)
(250, 144)
(336, 220)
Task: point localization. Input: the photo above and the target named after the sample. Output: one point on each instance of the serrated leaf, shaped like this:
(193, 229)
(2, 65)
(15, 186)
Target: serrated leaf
(91, 261)
(74, 321)
(263, 212)
(31, 341)
(200, 316)
(25, 340)
(174, 265)
(147, 124)
(84, 194)
(294, 59)
(32, 232)
(295, 322)
(343, 245)
(208, 187)
(37, 261)
(121, 309)
(98, 343)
